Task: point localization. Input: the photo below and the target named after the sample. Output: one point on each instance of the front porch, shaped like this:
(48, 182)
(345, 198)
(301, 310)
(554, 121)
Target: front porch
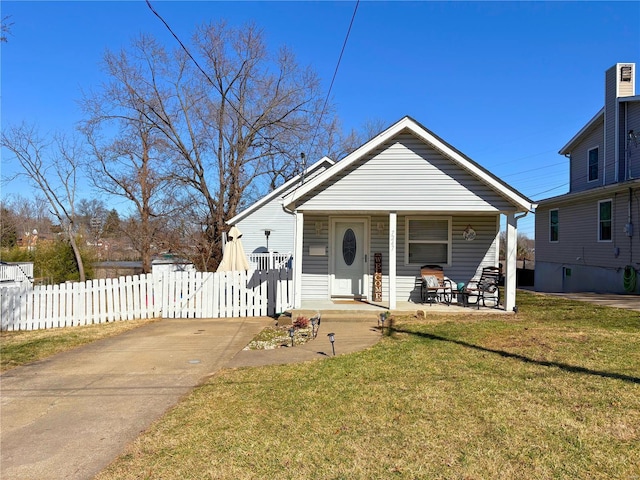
(361, 309)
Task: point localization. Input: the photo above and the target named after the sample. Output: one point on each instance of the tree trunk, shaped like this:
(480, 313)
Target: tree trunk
(76, 252)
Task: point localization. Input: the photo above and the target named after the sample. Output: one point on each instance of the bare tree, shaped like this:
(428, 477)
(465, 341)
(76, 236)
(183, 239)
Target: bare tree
(525, 247)
(29, 214)
(53, 168)
(246, 114)
(130, 164)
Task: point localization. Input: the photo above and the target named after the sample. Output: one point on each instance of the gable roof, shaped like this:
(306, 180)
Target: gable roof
(597, 118)
(407, 123)
(324, 162)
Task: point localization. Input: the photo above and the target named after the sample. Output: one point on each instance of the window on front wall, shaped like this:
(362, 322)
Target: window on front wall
(592, 172)
(604, 221)
(428, 240)
(553, 225)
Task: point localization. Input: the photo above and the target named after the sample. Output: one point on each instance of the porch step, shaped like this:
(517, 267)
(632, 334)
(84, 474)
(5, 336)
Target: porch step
(342, 315)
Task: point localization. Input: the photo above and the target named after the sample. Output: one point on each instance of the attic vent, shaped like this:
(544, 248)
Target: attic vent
(625, 73)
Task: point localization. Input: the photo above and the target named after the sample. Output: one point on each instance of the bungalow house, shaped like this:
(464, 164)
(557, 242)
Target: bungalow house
(585, 239)
(403, 199)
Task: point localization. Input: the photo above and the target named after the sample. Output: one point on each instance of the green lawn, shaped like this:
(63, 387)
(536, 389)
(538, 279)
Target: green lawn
(552, 393)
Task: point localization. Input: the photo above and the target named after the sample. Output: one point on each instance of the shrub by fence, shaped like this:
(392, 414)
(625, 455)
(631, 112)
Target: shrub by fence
(170, 295)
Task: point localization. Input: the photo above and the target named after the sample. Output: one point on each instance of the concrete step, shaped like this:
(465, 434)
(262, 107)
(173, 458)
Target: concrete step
(327, 315)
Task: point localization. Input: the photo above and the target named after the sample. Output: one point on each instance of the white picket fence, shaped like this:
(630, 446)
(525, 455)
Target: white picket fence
(16, 272)
(170, 295)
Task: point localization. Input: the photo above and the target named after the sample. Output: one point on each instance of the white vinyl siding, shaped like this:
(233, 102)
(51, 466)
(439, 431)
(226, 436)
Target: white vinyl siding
(270, 216)
(315, 269)
(554, 225)
(407, 175)
(428, 241)
(467, 257)
(604, 220)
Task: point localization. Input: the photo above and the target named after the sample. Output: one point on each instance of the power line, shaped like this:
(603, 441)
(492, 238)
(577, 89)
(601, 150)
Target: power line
(533, 169)
(549, 190)
(187, 52)
(335, 73)
(218, 89)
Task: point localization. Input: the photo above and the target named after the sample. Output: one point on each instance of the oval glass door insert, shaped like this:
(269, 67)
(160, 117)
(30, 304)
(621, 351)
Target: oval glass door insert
(349, 246)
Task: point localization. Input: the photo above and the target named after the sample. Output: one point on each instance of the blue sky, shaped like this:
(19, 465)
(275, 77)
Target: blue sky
(507, 83)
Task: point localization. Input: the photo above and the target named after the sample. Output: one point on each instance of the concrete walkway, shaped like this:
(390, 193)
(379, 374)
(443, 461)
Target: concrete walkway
(69, 416)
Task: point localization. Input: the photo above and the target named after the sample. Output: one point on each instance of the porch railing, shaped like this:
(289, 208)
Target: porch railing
(270, 261)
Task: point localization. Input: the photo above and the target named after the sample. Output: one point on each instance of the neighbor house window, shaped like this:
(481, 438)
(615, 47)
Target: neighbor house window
(604, 220)
(428, 240)
(593, 165)
(553, 225)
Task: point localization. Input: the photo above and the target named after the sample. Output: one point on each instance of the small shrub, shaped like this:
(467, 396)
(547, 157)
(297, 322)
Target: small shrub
(301, 322)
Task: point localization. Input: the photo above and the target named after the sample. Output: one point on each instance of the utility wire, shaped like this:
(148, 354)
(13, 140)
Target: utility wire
(533, 169)
(186, 50)
(549, 190)
(335, 73)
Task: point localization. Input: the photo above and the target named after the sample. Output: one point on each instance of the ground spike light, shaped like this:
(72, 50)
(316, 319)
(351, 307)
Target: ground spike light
(383, 317)
(332, 339)
(291, 333)
(315, 320)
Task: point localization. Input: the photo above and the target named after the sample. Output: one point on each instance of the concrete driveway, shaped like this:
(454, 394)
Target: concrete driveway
(629, 302)
(69, 416)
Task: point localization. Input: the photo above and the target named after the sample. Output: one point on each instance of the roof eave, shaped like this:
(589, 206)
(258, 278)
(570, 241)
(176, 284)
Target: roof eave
(270, 196)
(591, 192)
(520, 201)
(567, 148)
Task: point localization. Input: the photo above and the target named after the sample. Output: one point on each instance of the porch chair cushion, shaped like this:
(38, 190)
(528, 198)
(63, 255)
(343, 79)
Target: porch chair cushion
(431, 281)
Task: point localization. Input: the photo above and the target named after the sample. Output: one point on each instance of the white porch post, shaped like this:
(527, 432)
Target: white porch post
(393, 221)
(511, 257)
(297, 260)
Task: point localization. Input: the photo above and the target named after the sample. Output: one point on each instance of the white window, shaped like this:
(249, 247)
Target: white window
(428, 241)
(593, 165)
(554, 223)
(604, 220)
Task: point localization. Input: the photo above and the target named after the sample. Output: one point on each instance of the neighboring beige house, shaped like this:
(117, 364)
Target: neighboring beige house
(589, 238)
(406, 198)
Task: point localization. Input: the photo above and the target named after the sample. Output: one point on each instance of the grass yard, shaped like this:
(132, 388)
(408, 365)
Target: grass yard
(553, 393)
(19, 348)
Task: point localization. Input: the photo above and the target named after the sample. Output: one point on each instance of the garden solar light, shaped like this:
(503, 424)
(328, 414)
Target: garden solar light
(291, 332)
(383, 317)
(332, 339)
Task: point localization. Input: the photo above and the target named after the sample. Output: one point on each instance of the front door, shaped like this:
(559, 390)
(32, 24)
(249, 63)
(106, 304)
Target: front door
(350, 253)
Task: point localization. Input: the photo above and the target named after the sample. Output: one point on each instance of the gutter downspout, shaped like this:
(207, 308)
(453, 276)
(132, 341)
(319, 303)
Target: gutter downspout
(295, 236)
